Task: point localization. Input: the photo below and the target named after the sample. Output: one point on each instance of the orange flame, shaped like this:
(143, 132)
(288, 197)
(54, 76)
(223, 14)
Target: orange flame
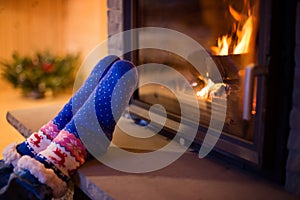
(239, 40)
(211, 89)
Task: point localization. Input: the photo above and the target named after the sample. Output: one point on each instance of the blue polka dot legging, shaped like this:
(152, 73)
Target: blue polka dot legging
(98, 115)
(38, 141)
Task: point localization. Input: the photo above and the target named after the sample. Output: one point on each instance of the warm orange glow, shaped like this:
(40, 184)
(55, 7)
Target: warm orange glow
(240, 40)
(244, 37)
(237, 42)
(210, 90)
(204, 92)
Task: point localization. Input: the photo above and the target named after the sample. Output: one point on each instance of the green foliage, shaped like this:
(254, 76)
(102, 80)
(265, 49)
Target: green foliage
(40, 73)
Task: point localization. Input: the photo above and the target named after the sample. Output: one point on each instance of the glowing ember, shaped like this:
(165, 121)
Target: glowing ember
(204, 92)
(212, 89)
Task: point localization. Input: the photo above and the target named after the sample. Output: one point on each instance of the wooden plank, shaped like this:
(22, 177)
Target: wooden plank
(29, 120)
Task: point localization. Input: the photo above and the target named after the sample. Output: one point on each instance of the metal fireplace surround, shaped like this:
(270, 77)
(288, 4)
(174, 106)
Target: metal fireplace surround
(267, 152)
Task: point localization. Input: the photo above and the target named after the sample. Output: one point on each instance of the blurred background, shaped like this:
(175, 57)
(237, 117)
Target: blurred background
(58, 26)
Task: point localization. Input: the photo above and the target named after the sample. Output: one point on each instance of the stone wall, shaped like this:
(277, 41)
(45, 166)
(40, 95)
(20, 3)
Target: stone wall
(293, 162)
(115, 25)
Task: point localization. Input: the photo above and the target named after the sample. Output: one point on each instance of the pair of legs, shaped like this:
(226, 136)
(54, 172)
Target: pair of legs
(52, 155)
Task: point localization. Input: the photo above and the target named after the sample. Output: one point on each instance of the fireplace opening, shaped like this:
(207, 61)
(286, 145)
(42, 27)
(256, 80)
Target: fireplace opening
(227, 30)
(238, 36)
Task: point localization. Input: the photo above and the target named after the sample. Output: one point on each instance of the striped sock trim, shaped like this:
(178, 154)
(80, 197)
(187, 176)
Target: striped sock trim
(50, 130)
(64, 155)
(38, 141)
(48, 164)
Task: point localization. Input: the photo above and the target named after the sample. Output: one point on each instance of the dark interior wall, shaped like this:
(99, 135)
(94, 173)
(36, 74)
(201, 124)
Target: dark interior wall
(293, 164)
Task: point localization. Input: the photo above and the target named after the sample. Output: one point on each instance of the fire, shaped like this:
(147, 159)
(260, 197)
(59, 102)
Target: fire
(212, 89)
(204, 92)
(244, 37)
(239, 40)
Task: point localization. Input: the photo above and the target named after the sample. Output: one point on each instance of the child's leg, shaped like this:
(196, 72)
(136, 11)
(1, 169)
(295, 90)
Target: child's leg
(38, 141)
(57, 163)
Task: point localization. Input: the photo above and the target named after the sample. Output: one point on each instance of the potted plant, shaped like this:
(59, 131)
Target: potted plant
(40, 73)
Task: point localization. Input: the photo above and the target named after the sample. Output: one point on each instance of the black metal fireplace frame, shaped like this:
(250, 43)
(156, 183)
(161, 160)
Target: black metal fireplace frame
(268, 153)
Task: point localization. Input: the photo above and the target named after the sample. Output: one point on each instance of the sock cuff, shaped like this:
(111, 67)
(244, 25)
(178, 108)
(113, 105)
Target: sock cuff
(50, 130)
(37, 141)
(64, 155)
(11, 155)
(43, 174)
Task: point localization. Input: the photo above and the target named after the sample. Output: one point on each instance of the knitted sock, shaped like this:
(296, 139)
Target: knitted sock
(38, 141)
(66, 153)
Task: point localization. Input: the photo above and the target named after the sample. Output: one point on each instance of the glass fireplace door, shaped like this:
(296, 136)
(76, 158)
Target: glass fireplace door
(228, 31)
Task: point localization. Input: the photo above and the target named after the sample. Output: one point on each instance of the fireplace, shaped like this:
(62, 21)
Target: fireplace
(256, 80)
